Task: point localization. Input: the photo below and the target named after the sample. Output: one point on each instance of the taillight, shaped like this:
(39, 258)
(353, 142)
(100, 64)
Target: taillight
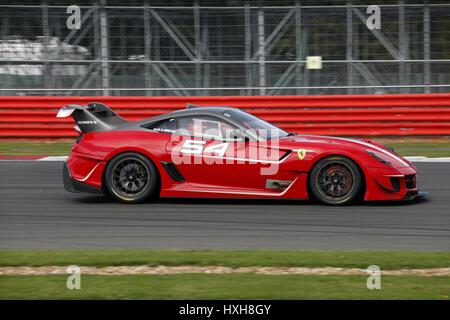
(80, 133)
(78, 139)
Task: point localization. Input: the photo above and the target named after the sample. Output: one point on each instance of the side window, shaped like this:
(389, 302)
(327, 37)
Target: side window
(203, 127)
(166, 126)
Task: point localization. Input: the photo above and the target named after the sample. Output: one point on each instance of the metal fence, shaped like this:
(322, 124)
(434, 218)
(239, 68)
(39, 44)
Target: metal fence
(223, 48)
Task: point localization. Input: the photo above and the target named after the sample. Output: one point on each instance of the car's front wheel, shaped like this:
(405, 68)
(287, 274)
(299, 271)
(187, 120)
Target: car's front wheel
(336, 180)
(131, 178)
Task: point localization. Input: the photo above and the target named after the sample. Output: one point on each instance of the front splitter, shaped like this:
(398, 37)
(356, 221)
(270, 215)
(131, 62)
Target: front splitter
(416, 195)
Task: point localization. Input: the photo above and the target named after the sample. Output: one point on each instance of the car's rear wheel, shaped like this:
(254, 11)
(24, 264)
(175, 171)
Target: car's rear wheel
(131, 178)
(336, 180)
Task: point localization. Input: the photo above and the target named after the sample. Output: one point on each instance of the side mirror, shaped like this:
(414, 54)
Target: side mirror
(238, 135)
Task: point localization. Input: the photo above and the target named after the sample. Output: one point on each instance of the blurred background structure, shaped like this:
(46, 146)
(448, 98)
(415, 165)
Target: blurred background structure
(228, 47)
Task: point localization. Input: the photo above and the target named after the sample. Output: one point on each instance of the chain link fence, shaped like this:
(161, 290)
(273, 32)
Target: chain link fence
(223, 48)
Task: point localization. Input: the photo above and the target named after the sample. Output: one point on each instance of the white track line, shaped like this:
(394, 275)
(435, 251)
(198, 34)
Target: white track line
(60, 158)
(426, 159)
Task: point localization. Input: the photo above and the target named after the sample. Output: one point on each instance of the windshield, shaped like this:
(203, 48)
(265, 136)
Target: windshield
(262, 128)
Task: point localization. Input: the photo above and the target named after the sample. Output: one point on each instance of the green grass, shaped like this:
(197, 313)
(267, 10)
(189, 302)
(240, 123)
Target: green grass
(226, 286)
(405, 146)
(28, 148)
(422, 148)
(237, 258)
(241, 286)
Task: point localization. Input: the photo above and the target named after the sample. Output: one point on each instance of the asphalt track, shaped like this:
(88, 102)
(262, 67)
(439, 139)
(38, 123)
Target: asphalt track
(36, 212)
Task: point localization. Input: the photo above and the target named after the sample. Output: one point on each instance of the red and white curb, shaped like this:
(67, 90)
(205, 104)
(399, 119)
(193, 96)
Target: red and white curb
(33, 158)
(63, 158)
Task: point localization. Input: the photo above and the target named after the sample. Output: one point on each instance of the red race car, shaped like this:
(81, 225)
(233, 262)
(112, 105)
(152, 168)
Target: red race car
(222, 152)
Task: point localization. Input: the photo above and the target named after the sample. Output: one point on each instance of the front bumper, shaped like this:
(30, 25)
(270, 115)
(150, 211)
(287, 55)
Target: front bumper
(385, 184)
(72, 185)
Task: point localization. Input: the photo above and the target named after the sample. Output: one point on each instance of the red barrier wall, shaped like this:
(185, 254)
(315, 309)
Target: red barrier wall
(345, 115)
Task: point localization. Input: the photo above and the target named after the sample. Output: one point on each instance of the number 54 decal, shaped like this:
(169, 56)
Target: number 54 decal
(197, 147)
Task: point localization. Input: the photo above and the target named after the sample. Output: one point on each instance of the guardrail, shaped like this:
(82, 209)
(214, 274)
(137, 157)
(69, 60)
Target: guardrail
(345, 115)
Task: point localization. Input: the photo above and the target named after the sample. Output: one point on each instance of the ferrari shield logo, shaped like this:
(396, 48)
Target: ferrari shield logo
(301, 154)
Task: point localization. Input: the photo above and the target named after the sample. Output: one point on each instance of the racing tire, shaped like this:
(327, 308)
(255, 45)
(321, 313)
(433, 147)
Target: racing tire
(336, 181)
(131, 178)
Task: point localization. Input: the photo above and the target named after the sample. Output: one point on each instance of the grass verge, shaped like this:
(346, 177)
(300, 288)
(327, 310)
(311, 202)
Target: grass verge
(432, 147)
(229, 258)
(224, 286)
(31, 148)
(242, 286)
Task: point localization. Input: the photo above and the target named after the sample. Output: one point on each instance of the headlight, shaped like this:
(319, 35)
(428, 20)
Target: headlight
(373, 155)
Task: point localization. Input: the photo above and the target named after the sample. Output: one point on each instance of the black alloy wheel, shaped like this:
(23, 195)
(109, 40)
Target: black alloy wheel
(336, 180)
(131, 178)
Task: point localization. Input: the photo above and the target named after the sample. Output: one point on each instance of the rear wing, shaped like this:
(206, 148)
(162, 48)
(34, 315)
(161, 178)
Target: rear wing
(93, 117)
